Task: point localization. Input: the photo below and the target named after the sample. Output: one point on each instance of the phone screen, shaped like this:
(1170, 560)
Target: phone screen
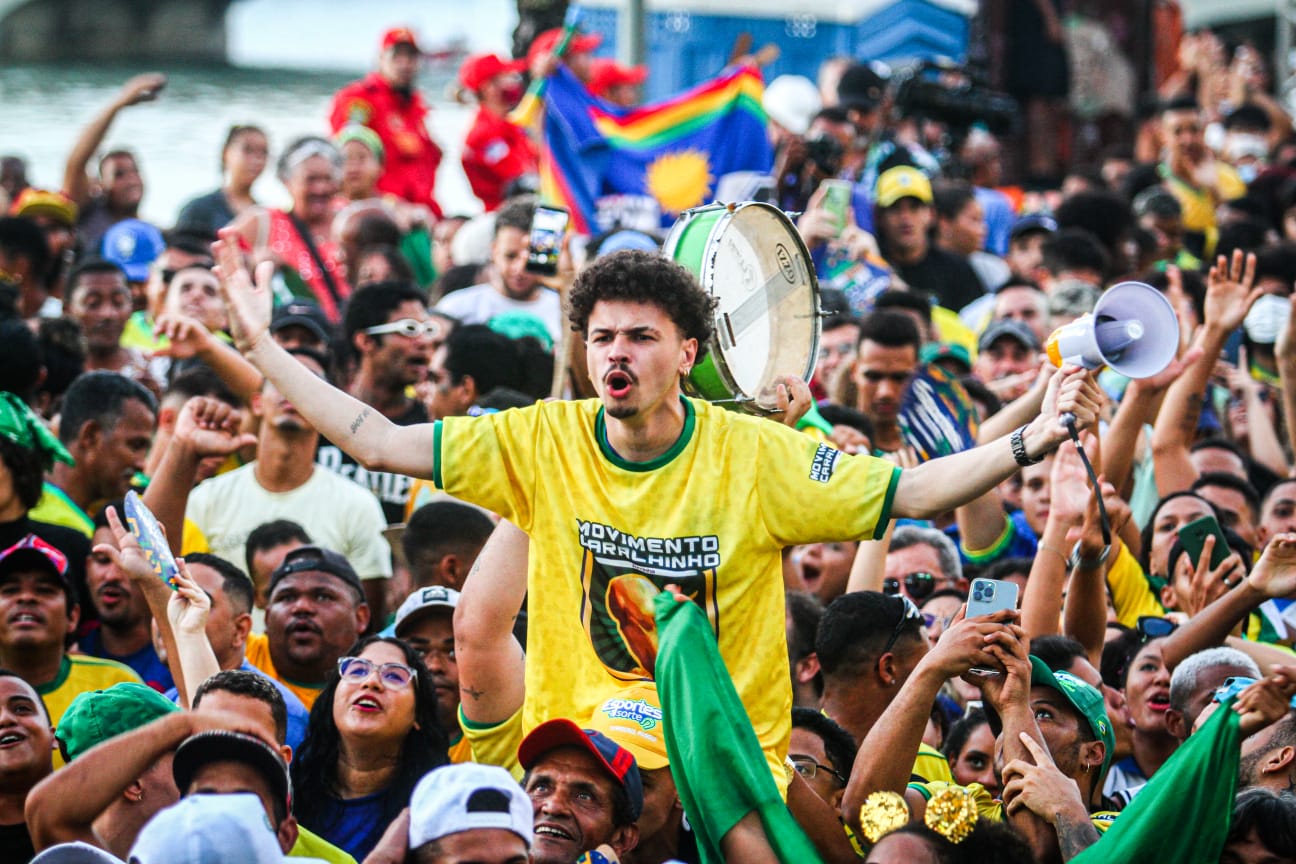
(545, 244)
(837, 200)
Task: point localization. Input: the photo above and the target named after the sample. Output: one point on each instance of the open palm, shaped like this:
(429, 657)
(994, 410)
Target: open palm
(247, 303)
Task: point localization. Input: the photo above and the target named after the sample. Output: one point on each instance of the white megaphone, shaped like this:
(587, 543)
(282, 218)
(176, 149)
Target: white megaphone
(1133, 329)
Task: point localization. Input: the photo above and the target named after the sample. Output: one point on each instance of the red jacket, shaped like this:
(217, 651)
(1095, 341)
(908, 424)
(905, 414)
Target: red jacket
(411, 156)
(496, 152)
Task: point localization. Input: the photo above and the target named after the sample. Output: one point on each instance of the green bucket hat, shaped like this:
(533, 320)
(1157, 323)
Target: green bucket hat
(19, 424)
(97, 715)
(1084, 698)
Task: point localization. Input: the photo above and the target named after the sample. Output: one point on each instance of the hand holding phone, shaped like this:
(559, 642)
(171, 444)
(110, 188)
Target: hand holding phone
(986, 597)
(1193, 537)
(148, 531)
(545, 241)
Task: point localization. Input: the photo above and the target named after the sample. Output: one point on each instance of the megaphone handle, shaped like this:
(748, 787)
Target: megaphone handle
(1068, 420)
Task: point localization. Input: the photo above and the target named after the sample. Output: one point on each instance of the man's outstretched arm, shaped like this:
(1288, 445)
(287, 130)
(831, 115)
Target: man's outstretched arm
(359, 429)
(951, 481)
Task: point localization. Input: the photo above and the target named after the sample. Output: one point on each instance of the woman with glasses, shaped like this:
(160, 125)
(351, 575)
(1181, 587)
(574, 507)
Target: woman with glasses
(373, 733)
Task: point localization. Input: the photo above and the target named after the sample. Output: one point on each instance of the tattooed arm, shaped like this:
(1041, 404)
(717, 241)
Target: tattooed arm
(490, 660)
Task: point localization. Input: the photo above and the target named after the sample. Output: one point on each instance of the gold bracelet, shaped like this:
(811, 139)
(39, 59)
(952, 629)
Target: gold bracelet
(1048, 548)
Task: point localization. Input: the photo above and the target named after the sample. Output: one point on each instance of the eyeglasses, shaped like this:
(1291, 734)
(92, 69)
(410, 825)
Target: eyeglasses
(1154, 627)
(357, 669)
(407, 327)
(930, 620)
(875, 377)
(808, 768)
(908, 613)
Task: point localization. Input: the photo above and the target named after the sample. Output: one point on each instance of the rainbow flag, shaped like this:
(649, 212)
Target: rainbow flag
(668, 155)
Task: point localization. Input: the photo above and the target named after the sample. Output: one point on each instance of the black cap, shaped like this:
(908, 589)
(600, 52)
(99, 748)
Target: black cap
(220, 745)
(302, 313)
(860, 87)
(317, 559)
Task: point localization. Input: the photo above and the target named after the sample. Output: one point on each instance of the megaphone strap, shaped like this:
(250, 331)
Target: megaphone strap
(1069, 422)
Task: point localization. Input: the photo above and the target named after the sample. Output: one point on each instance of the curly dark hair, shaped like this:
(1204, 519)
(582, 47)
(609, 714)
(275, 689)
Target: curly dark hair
(315, 767)
(634, 276)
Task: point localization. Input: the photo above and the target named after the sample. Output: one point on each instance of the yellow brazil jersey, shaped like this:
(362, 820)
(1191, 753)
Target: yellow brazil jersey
(310, 845)
(710, 515)
(931, 765)
(258, 654)
(1131, 593)
(56, 508)
(80, 674)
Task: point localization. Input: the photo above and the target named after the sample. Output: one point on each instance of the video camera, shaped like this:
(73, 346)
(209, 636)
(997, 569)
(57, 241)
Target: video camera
(951, 94)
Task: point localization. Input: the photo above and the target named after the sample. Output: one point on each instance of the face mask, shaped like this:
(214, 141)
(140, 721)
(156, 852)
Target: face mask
(1248, 172)
(1267, 318)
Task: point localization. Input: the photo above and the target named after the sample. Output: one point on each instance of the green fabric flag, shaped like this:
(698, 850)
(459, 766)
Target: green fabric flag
(1183, 813)
(715, 758)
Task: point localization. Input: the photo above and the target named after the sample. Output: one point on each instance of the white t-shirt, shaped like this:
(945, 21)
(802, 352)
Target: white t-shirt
(480, 303)
(336, 513)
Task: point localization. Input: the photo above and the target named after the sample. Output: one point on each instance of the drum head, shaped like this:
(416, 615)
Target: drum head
(767, 316)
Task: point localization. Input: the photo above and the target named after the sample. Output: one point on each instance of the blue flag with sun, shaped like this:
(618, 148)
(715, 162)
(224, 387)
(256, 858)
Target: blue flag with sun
(669, 154)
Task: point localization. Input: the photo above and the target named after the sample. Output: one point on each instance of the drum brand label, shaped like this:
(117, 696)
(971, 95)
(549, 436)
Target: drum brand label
(825, 460)
(785, 263)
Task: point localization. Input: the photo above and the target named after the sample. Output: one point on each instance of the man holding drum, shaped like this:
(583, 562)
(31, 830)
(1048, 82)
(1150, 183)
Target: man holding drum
(642, 487)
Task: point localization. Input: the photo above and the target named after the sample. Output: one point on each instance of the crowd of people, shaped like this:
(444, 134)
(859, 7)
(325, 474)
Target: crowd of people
(466, 574)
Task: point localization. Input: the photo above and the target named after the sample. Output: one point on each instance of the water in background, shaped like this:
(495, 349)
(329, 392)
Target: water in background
(178, 137)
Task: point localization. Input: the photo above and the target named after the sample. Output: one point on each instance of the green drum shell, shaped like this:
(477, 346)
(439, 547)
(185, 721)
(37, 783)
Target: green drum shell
(689, 243)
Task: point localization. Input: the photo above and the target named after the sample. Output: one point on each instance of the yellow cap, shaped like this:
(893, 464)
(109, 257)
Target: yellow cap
(632, 717)
(902, 181)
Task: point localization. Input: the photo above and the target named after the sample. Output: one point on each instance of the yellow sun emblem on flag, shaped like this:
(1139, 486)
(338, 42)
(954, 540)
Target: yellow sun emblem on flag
(679, 180)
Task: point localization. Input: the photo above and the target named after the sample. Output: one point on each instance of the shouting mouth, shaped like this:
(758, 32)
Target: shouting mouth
(619, 382)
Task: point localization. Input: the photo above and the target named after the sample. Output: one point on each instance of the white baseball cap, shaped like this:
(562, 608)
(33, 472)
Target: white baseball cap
(75, 853)
(425, 598)
(466, 796)
(210, 829)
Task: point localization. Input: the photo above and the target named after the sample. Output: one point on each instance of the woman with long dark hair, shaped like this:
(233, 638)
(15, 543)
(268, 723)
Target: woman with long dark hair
(373, 733)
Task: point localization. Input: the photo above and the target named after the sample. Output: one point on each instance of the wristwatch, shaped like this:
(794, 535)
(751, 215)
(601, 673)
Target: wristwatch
(1087, 563)
(1019, 448)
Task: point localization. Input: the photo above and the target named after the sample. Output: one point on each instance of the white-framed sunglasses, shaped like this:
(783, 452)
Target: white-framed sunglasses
(431, 328)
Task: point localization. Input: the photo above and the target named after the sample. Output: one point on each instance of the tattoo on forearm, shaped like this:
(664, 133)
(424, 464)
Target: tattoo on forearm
(1192, 413)
(360, 419)
(475, 694)
(1075, 835)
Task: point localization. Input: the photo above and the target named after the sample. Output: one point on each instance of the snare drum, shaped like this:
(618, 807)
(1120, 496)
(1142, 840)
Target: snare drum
(752, 260)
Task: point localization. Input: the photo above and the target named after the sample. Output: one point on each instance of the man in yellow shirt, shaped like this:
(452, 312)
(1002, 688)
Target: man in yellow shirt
(1193, 175)
(38, 611)
(641, 488)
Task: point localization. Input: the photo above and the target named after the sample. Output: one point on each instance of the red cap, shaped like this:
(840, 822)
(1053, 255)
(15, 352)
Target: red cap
(548, 41)
(606, 74)
(480, 68)
(618, 761)
(399, 36)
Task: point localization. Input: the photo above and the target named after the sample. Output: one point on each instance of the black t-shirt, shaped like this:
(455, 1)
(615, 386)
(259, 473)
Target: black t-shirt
(392, 489)
(947, 277)
(205, 214)
(69, 541)
(16, 844)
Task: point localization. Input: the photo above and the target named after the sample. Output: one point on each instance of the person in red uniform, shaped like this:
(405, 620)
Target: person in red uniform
(618, 84)
(496, 152)
(387, 102)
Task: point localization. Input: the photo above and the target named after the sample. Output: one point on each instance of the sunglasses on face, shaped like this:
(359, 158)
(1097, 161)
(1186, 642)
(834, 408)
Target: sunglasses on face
(1154, 627)
(395, 675)
(407, 327)
(919, 585)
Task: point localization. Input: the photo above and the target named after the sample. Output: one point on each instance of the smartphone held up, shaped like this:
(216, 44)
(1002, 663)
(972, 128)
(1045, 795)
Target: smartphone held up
(545, 242)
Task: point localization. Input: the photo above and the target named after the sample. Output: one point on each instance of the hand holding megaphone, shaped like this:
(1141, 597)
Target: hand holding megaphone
(1133, 329)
